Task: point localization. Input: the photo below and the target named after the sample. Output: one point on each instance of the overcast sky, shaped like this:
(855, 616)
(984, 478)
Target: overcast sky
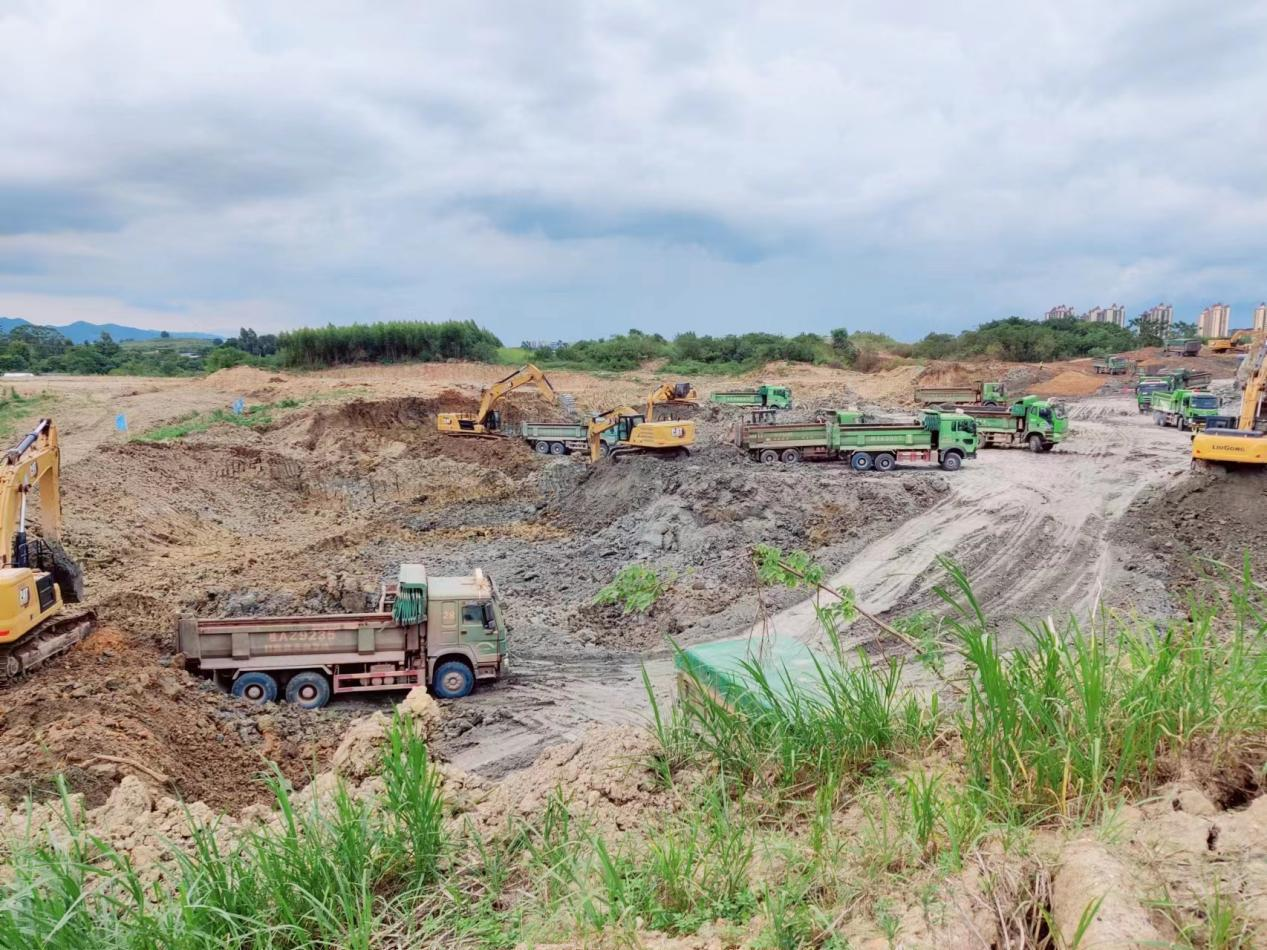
(556, 169)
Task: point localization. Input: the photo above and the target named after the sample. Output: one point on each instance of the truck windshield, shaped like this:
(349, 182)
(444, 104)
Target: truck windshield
(1205, 402)
(1151, 387)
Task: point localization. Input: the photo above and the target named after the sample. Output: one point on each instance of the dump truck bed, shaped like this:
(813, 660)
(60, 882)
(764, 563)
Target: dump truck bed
(325, 639)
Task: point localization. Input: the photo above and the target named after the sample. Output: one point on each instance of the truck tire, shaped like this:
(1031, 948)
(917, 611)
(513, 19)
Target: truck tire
(558, 448)
(860, 461)
(308, 690)
(542, 447)
(255, 687)
(453, 679)
(790, 456)
(1035, 443)
(604, 449)
(769, 456)
(951, 462)
(1157, 419)
(884, 462)
(1182, 423)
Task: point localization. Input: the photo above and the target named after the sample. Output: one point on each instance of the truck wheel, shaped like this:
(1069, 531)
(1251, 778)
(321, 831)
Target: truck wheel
(790, 456)
(453, 680)
(604, 449)
(542, 447)
(769, 456)
(1182, 423)
(1035, 443)
(557, 448)
(860, 461)
(308, 690)
(951, 462)
(884, 462)
(255, 687)
(1157, 420)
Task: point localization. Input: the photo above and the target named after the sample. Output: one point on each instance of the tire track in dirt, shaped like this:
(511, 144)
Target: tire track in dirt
(1033, 531)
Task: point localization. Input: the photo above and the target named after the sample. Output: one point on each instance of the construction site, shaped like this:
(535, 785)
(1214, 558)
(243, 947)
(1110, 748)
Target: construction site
(357, 497)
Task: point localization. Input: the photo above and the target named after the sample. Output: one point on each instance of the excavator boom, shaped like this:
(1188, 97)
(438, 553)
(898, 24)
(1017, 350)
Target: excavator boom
(672, 395)
(485, 422)
(37, 577)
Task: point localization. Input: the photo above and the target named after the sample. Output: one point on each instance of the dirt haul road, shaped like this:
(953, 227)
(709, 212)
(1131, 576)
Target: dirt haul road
(1033, 531)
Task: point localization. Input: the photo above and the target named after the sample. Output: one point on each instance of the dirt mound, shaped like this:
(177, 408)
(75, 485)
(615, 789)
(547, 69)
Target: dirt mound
(118, 695)
(1204, 523)
(1071, 383)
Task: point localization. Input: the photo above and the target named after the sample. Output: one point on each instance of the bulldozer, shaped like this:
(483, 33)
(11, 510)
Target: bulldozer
(38, 579)
(486, 422)
(1247, 443)
(677, 400)
(626, 431)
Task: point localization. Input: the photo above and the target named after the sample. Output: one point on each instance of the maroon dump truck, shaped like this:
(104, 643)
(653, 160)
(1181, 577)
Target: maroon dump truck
(445, 632)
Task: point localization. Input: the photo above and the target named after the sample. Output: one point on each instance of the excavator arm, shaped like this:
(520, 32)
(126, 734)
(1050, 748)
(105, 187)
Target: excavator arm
(527, 375)
(484, 422)
(37, 579)
(671, 394)
(600, 424)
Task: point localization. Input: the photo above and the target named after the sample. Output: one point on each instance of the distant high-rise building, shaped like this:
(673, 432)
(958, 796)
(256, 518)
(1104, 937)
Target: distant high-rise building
(1059, 312)
(1214, 320)
(1114, 313)
(1260, 317)
(1163, 314)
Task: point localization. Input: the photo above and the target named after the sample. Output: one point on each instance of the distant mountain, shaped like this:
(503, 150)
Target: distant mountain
(83, 332)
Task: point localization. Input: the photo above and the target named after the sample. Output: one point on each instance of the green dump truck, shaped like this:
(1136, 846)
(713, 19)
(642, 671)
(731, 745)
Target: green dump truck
(943, 438)
(1167, 381)
(1113, 366)
(978, 392)
(445, 632)
(1030, 421)
(555, 438)
(763, 396)
(1184, 408)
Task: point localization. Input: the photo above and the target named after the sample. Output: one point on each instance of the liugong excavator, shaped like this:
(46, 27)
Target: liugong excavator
(37, 577)
(487, 421)
(1247, 443)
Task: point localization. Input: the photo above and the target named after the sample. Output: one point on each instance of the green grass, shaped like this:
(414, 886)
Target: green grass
(852, 799)
(18, 411)
(253, 417)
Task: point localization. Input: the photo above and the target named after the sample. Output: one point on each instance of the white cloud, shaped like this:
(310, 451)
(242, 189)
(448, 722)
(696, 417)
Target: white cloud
(672, 165)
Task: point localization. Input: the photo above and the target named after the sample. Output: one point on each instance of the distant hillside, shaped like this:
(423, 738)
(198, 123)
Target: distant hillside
(83, 332)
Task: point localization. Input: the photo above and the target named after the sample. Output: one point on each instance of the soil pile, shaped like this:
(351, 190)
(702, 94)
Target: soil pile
(117, 705)
(1202, 525)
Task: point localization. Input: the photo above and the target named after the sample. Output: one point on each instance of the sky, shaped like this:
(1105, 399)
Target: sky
(555, 170)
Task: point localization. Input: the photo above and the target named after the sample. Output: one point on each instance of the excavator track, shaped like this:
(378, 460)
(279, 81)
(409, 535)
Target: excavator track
(52, 638)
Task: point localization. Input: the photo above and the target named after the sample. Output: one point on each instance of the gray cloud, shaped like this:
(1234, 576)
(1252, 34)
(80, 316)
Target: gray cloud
(544, 167)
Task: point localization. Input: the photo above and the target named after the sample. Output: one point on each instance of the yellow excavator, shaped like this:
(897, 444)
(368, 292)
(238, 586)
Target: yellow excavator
(626, 431)
(1236, 343)
(675, 397)
(37, 577)
(487, 421)
(1247, 443)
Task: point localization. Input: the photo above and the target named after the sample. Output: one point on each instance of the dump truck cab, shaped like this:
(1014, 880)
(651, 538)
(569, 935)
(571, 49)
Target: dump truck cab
(953, 431)
(1047, 419)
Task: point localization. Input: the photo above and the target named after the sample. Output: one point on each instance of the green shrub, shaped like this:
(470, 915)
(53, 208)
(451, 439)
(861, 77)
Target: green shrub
(636, 588)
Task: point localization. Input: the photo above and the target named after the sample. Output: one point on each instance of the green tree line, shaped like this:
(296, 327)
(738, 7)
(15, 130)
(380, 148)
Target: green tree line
(394, 342)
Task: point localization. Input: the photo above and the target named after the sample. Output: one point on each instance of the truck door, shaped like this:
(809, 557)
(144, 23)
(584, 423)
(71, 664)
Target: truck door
(479, 630)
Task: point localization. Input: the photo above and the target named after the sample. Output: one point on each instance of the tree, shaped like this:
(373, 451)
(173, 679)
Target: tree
(164, 335)
(842, 346)
(1150, 330)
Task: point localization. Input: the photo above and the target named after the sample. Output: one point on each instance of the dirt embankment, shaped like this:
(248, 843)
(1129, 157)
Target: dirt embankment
(1204, 524)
